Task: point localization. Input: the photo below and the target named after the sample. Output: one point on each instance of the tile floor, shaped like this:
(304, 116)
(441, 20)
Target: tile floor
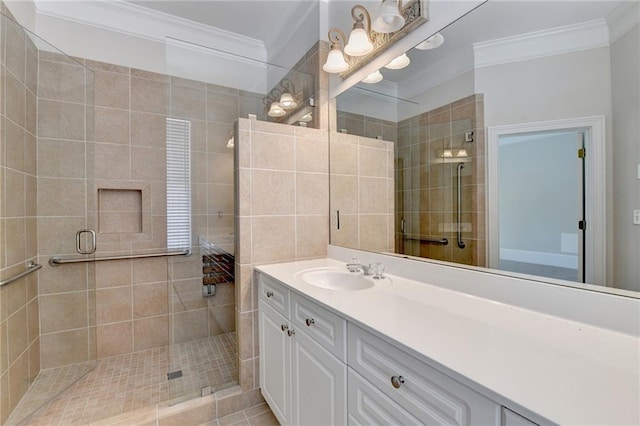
(259, 415)
(129, 382)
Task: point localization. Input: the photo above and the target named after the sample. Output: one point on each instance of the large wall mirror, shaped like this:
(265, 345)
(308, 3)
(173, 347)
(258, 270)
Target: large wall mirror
(511, 142)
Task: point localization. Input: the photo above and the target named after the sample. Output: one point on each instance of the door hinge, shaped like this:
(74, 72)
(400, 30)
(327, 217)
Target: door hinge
(582, 225)
(582, 153)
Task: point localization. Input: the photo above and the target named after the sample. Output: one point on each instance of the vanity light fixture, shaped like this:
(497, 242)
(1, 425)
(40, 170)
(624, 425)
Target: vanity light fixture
(335, 60)
(398, 63)
(287, 101)
(230, 143)
(359, 43)
(389, 17)
(276, 110)
(374, 77)
(432, 42)
(394, 20)
(306, 118)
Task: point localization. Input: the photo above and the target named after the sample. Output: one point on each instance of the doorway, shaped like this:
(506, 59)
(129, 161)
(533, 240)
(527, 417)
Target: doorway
(546, 199)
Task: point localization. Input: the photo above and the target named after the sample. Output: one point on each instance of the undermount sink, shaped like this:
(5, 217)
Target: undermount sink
(335, 279)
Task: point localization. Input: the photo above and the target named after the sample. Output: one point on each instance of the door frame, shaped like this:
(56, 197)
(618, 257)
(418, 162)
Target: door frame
(595, 183)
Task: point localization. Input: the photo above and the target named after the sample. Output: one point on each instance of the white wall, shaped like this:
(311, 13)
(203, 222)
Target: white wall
(625, 76)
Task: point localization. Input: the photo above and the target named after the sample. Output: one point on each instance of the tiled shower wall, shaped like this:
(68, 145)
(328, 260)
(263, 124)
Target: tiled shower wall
(362, 192)
(426, 184)
(133, 296)
(283, 193)
(19, 322)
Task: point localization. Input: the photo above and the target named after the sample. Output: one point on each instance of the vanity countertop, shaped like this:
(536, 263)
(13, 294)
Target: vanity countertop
(563, 371)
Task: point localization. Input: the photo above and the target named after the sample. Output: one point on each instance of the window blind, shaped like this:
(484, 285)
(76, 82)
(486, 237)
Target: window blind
(178, 183)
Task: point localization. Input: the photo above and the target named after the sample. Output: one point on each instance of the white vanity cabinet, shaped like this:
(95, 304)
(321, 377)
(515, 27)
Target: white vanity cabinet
(301, 378)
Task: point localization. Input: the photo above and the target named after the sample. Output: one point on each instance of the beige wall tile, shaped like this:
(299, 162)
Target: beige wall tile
(222, 108)
(15, 49)
(344, 190)
(374, 232)
(15, 240)
(59, 158)
(222, 319)
(14, 191)
(112, 161)
(312, 236)
(245, 336)
(149, 95)
(33, 321)
(190, 325)
(4, 350)
(68, 347)
(148, 129)
(56, 235)
(111, 125)
(111, 89)
(114, 339)
(113, 305)
(5, 408)
(273, 238)
(60, 120)
(273, 192)
(16, 91)
(59, 312)
(343, 158)
(50, 203)
(17, 334)
(312, 155)
(148, 163)
(373, 195)
(187, 295)
(218, 135)
(220, 167)
(150, 333)
(347, 235)
(62, 279)
(220, 198)
(14, 142)
(188, 102)
(272, 151)
(18, 379)
(61, 81)
(34, 360)
(312, 193)
(196, 412)
(150, 300)
(372, 162)
(150, 270)
(113, 273)
(16, 293)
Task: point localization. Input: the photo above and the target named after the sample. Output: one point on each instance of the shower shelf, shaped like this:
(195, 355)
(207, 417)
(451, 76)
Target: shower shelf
(58, 260)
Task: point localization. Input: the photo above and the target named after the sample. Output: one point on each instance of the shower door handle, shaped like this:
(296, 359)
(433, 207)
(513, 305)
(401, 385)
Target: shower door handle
(92, 247)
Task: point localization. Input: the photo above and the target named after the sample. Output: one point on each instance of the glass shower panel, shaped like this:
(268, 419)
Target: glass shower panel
(47, 197)
(201, 136)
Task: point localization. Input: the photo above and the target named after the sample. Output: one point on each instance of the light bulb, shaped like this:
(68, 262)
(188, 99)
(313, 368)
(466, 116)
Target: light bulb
(374, 77)
(398, 63)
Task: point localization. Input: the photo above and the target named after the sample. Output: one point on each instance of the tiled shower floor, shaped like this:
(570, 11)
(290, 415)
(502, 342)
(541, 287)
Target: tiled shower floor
(128, 382)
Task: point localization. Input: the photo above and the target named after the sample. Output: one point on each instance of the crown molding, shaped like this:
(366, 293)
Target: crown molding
(622, 19)
(137, 21)
(540, 44)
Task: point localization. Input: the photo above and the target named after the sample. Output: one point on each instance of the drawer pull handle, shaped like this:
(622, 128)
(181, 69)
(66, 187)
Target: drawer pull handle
(269, 294)
(284, 327)
(397, 381)
(291, 332)
(310, 321)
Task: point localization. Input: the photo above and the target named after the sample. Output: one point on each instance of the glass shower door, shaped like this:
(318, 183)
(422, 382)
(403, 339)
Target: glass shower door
(47, 198)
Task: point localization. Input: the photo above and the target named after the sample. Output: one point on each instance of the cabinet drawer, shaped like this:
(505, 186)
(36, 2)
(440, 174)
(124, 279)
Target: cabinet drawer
(274, 294)
(368, 406)
(424, 392)
(326, 328)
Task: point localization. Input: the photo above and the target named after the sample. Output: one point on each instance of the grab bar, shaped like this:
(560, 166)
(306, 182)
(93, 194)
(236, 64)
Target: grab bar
(461, 243)
(57, 260)
(32, 267)
(443, 241)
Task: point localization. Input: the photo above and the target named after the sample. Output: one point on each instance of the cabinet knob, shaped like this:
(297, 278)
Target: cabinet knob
(310, 321)
(269, 294)
(284, 327)
(291, 332)
(397, 381)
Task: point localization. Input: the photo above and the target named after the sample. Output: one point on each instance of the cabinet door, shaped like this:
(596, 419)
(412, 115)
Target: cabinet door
(319, 382)
(275, 376)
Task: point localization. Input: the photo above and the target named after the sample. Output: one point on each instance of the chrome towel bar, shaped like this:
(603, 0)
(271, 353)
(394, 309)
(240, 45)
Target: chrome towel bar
(32, 267)
(58, 260)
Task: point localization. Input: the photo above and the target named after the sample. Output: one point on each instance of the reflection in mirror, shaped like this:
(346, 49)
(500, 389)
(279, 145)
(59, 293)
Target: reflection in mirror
(514, 140)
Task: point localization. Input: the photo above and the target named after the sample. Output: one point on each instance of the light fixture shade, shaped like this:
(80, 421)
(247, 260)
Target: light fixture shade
(287, 101)
(389, 18)
(230, 142)
(359, 43)
(276, 110)
(374, 77)
(432, 42)
(398, 63)
(335, 61)
(306, 118)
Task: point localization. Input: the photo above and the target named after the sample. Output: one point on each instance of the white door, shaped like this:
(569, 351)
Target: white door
(319, 381)
(275, 360)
